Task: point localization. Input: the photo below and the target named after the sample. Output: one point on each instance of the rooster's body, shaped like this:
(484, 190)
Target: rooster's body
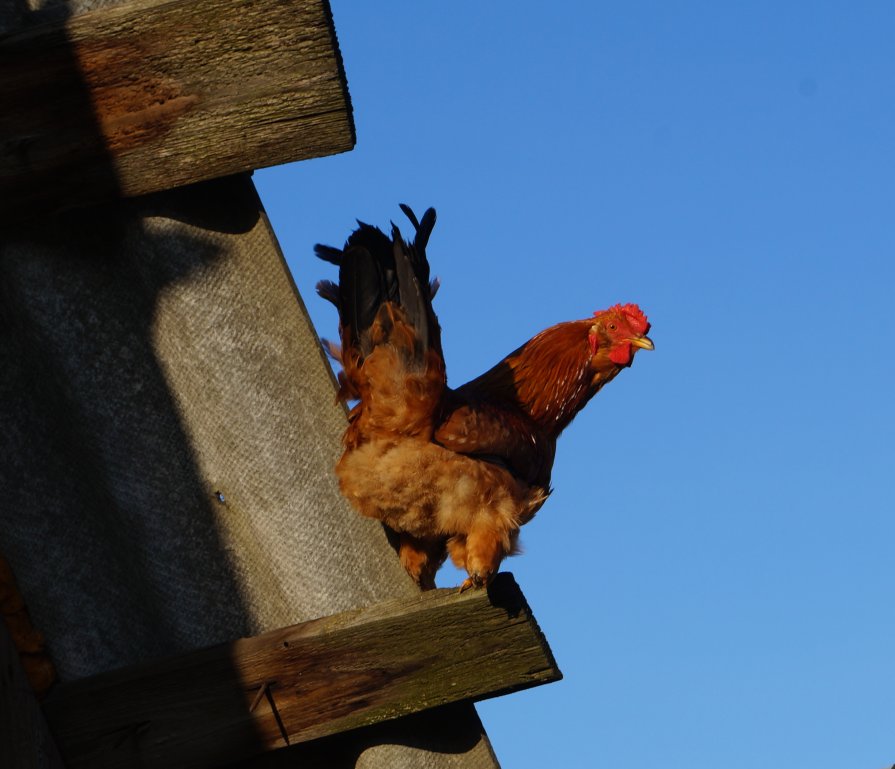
(453, 472)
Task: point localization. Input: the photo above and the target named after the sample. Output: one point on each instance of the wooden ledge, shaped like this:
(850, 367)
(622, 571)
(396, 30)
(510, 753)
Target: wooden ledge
(299, 683)
(148, 95)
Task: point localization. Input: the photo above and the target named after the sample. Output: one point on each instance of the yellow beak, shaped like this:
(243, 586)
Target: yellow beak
(643, 342)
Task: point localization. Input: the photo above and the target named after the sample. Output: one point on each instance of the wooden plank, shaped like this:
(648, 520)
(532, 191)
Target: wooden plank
(303, 682)
(154, 94)
(25, 741)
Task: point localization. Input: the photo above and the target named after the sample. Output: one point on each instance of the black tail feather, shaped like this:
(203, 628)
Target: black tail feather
(374, 269)
(363, 287)
(414, 298)
(408, 212)
(329, 291)
(328, 254)
(423, 228)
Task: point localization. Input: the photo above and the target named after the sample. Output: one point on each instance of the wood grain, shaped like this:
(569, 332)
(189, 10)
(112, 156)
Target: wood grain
(305, 681)
(150, 95)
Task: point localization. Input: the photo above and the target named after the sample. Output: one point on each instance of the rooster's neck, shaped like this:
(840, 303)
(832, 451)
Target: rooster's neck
(551, 377)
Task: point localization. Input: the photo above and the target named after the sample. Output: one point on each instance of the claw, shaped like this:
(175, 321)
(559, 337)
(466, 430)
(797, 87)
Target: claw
(475, 580)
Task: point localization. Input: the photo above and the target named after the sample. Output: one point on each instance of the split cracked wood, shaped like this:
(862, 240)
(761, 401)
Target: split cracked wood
(303, 682)
(149, 95)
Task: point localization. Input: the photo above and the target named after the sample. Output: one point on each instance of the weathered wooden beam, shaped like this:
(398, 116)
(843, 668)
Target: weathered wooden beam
(153, 94)
(303, 682)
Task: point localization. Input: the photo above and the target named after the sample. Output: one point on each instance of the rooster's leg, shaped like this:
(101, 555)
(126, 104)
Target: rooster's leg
(422, 558)
(480, 553)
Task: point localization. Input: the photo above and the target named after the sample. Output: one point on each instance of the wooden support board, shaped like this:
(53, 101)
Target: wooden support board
(152, 94)
(306, 681)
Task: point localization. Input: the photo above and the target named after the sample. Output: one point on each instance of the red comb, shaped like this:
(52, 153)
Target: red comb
(633, 315)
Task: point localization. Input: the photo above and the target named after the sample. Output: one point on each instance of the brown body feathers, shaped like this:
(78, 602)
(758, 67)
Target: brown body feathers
(453, 472)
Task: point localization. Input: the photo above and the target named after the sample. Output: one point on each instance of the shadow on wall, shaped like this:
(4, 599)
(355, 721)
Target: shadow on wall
(447, 730)
(104, 518)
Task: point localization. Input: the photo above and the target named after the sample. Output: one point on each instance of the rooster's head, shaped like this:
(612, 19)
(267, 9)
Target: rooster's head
(617, 333)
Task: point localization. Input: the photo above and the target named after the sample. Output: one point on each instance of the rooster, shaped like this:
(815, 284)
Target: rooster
(453, 472)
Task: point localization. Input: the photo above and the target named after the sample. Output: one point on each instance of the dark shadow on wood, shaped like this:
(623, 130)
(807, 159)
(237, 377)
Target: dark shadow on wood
(226, 206)
(178, 92)
(93, 451)
(322, 677)
(62, 100)
(451, 730)
(502, 595)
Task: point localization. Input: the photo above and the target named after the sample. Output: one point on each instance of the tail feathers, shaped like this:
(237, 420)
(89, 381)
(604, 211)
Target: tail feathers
(328, 254)
(423, 228)
(333, 349)
(366, 282)
(374, 270)
(422, 288)
(408, 212)
(414, 295)
(417, 250)
(329, 291)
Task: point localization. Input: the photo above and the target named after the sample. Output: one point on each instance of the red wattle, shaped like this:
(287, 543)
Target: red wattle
(621, 354)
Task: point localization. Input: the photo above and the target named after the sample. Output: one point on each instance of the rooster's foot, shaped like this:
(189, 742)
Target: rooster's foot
(475, 580)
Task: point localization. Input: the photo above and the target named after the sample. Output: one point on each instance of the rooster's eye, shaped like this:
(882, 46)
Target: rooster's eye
(613, 327)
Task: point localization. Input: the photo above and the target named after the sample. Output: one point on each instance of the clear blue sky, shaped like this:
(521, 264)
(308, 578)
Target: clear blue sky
(715, 569)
